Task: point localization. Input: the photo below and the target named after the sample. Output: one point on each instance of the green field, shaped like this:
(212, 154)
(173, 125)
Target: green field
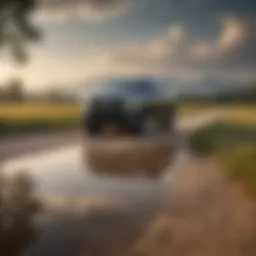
(233, 141)
(29, 117)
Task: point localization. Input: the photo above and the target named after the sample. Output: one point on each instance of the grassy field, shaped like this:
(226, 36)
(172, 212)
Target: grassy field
(29, 117)
(187, 109)
(233, 142)
(241, 115)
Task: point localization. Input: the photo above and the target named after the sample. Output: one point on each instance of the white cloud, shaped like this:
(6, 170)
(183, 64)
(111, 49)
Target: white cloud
(233, 34)
(179, 55)
(202, 51)
(61, 10)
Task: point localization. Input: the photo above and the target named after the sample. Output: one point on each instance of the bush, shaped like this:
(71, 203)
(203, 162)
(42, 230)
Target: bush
(3, 126)
(204, 141)
(234, 146)
(221, 136)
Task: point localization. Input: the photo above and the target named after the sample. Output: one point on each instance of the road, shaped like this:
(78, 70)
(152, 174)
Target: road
(31, 144)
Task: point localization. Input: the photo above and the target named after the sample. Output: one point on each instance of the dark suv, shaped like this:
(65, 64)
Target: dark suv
(137, 106)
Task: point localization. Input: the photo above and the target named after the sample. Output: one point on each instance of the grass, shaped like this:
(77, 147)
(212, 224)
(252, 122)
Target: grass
(240, 163)
(237, 114)
(242, 115)
(187, 109)
(30, 117)
(233, 142)
(222, 136)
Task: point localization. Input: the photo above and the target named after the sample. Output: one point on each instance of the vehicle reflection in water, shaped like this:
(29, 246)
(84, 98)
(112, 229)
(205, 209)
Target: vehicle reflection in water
(59, 207)
(130, 157)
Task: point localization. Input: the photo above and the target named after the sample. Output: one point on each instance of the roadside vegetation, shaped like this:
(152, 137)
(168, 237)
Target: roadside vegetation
(19, 118)
(26, 112)
(188, 109)
(233, 142)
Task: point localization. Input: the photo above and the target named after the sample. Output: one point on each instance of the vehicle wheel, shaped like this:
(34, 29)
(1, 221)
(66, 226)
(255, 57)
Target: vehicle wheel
(150, 126)
(92, 127)
(166, 124)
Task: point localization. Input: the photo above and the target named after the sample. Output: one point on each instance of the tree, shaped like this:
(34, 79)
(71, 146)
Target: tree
(18, 208)
(16, 28)
(15, 90)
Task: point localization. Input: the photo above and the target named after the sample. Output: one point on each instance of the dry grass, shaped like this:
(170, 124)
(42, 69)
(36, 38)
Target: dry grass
(235, 114)
(243, 115)
(193, 108)
(32, 117)
(240, 164)
(30, 111)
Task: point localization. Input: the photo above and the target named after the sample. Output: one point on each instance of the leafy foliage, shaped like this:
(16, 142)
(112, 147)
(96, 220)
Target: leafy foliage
(18, 206)
(221, 136)
(16, 28)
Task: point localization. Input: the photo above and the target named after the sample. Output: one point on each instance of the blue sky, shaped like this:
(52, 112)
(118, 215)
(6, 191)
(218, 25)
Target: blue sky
(185, 40)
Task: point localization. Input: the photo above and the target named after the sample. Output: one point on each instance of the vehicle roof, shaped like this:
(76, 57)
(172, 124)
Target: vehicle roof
(135, 87)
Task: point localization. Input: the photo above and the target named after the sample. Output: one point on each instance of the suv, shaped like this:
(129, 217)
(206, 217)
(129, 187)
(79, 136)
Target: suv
(136, 106)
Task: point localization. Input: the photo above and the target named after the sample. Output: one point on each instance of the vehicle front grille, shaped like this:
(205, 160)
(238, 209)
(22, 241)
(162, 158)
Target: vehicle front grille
(107, 106)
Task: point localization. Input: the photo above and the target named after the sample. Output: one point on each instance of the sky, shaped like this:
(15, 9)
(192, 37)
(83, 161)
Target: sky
(188, 41)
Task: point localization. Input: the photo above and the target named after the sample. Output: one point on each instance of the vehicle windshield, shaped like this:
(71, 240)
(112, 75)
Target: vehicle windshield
(131, 87)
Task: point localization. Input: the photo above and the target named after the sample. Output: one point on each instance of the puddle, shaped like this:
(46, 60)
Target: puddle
(73, 197)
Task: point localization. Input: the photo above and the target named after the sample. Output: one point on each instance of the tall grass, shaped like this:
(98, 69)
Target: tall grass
(234, 145)
(240, 163)
(30, 117)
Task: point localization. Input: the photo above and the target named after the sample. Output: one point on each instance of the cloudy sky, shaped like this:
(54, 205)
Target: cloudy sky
(185, 40)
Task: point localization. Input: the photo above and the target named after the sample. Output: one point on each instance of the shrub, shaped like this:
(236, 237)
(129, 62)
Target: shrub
(221, 136)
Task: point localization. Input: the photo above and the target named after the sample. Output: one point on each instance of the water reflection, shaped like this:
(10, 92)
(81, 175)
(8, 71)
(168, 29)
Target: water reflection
(130, 157)
(62, 208)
